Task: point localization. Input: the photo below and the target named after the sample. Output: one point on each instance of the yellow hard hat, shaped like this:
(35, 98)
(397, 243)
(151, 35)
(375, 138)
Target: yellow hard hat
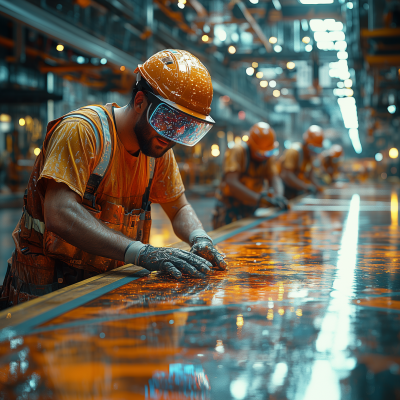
(314, 136)
(181, 78)
(262, 137)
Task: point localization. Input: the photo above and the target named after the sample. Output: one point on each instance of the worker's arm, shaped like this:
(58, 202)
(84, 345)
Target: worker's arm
(290, 178)
(315, 182)
(277, 185)
(240, 191)
(65, 216)
(188, 228)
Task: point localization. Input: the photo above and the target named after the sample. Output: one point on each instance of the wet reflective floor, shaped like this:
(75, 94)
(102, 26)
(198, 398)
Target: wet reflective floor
(309, 309)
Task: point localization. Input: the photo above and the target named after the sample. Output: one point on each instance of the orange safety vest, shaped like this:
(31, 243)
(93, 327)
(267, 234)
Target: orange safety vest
(33, 268)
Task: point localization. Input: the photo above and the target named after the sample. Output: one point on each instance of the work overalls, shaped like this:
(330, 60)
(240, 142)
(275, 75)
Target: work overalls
(229, 209)
(42, 261)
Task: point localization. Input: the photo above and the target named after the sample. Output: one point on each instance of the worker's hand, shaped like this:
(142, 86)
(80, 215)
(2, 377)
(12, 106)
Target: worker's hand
(282, 202)
(312, 189)
(204, 248)
(173, 261)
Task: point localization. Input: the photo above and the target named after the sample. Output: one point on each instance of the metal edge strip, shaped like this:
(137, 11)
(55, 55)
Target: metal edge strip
(26, 326)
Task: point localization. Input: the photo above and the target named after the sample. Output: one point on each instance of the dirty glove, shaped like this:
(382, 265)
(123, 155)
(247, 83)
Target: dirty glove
(282, 202)
(203, 246)
(312, 189)
(167, 259)
(267, 201)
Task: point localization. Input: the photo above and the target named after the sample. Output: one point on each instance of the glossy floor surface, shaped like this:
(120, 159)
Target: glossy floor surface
(309, 309)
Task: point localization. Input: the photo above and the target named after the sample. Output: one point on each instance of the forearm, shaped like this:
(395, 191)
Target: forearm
(243, 194)
(277, 185)
(185, 222)
(292, 180)
(313, 179)
(77, 226)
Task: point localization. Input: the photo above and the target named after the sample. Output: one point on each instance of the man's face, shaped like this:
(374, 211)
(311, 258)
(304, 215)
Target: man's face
(150, 142)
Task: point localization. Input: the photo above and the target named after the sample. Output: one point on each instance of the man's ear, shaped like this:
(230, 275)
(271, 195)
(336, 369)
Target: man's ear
(140, 103)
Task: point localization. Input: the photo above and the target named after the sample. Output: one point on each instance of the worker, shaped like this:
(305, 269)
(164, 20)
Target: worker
(330, 163)
(246, 167)
(87, 205)
(296, 164)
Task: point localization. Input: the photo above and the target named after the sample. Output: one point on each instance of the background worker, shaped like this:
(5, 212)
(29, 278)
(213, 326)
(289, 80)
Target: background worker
(296, 163)
(246, 167)
(330, 163)
(87, 206)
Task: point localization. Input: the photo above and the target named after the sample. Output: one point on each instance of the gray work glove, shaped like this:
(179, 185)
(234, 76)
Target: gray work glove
(202, 245)
(312, 189)
(173, 261)
(281, 202)
(277, 201)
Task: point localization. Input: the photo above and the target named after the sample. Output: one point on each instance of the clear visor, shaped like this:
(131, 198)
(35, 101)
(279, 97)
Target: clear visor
(269, 153)
(174, 125)
(315, 149)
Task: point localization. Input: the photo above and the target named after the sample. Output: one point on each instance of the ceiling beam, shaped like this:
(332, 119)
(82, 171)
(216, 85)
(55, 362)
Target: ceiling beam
(64, 32)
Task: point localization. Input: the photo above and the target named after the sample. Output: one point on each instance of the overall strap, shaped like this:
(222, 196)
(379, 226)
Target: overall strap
(146, 196)
(98, 174)
(247, 156)
(301, 158)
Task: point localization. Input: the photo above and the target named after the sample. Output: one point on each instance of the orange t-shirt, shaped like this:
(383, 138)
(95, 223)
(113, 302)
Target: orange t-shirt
(254, 177)
(71, 157)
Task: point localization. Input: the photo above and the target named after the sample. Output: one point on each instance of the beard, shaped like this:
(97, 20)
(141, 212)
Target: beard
(147, 139)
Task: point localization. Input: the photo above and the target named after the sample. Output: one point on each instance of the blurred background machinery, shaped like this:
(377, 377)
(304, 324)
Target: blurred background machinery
(292, 63)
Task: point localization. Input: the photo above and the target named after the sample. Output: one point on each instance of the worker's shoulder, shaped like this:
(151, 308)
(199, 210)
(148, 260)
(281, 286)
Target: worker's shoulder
(237, 149)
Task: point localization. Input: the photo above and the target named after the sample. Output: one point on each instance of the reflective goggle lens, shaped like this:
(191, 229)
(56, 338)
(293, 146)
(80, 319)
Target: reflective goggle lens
(268, 153)
(174, 125)
(315, 149)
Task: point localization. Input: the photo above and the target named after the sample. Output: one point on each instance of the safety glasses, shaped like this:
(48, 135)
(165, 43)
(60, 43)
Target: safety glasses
(267, 154)
(174, 124)
(315, 149)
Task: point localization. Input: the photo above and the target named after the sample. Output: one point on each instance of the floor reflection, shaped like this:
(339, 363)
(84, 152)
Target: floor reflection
(309, 309)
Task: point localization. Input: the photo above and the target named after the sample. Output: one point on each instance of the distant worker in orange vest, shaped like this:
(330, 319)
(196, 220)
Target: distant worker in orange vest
(87, 205)
(330, 162)
(296, 163)
(246, 167)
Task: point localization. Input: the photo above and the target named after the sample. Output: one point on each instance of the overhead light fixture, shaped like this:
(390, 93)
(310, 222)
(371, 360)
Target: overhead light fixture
(348, 83)
(259, 74)
(308, 48)
(205, 38)
(306, 39)
(342, 55)
(122, 68)
(232, 49)
(221, 34)
(254, 64)
(392, 109)
(60, 47)
(277, 5)
(276, 93)
(263, 84)
(245, 138)
(316, 1)
(350, 5)
(341, 45)
(22, 122)
(285, 91)
(272, 83)
(277, 48)
(80, 60)
(103, 61)
(36, 152)
(253, 1)
(290, 65)
(393, 152)
(273, 39)
(181, 6)
(355, 140)
(378, 157)
(250, 71)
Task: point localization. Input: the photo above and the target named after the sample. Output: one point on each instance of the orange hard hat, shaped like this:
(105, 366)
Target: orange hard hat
(314, 136)
(336, 151)
(262, 137)
(182, 79)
